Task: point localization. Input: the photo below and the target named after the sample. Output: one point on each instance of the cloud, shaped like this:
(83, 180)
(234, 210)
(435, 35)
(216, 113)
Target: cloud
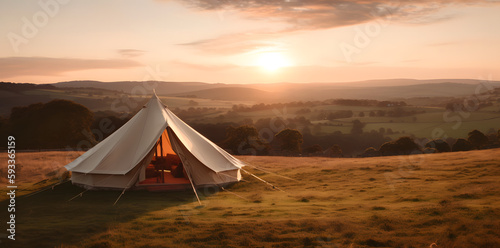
(129, 53)
(43, 66)
(304, 15)
(203, 67)
(438, 44)
(322, 14)
(238, 43)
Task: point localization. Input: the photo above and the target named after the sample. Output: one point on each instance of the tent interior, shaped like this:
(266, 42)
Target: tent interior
(165, 166)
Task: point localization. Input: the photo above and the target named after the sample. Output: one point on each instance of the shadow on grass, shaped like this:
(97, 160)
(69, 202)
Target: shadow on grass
(48, 219)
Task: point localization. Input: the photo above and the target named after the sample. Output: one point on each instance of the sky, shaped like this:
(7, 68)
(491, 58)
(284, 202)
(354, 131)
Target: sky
(258, 41)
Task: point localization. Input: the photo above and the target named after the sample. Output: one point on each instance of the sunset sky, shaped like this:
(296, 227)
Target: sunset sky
(260, 41)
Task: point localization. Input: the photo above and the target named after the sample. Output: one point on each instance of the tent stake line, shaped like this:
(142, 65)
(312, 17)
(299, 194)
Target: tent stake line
(81, 194)
(234, 194)
(46, 188)
(190, 180)
(274, 187)
(128, 186)
(257, 168)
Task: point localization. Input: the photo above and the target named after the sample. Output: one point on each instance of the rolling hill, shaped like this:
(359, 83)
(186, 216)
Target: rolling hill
(282, 92)
(162, 88)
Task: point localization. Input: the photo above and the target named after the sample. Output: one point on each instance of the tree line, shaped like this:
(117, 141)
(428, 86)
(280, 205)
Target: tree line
(309, 104)
(62, 124)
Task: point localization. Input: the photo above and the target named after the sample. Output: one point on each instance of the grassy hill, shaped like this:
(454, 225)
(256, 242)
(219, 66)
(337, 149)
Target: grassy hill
(99, 99)
(450, 199)
(162, 88)
(372, 89)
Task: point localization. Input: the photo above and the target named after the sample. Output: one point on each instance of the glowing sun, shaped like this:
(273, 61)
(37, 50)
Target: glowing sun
(272, 61)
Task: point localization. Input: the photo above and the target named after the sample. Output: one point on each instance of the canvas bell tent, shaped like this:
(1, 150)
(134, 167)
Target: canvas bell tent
(155, 150)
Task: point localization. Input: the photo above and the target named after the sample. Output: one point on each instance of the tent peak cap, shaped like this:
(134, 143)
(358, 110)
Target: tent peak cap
(155, 97)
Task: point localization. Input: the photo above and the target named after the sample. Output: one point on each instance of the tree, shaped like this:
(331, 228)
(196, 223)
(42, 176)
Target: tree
(244, 140)
(438, 144)
(357, 127)
(56, 124)
(361, 114)
(462, 145)
(381, 130)
(290, 141)
(4, 126)
(381, 113)
(370, 152)
(193, 103)
(335, 151)
(340, 114)
(314, 150)
(402, 146)
(430, 150)
(477, 139)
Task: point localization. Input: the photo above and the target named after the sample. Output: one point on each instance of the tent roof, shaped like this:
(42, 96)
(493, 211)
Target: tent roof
(126, 147)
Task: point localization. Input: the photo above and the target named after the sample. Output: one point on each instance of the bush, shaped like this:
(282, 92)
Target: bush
(314, 150)
(370, 152)
(438, 144)
(340, 114)
(335, 151)
(462, 145)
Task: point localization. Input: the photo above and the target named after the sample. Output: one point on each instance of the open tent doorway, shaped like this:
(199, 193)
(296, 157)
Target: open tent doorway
(165, 168)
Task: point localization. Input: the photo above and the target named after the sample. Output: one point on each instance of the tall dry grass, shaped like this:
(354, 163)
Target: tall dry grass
(450, 199)
(33, 167)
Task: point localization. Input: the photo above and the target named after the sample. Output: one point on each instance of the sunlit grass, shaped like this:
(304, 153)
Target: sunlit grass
(451, 199)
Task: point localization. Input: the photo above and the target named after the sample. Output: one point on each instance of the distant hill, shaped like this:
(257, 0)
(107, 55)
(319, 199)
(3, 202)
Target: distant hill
(99, 95)
(405, 82)
(230, 94)
(372, 89)
(162, 88)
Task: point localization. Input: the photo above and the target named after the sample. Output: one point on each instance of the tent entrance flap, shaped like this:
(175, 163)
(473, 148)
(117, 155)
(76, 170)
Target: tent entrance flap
(166, 167)
(163, 146)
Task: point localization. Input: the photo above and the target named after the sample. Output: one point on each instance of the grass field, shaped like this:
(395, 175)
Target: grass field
(422, 125)
(450, 199)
